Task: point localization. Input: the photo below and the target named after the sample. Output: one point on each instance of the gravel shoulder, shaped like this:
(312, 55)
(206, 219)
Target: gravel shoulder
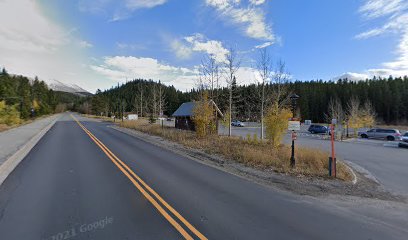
(13, 139)
(365, 186)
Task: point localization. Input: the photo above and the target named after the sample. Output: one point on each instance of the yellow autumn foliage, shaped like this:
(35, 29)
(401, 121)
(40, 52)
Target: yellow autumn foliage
(276, 123)
(203, 117)
(9, 115)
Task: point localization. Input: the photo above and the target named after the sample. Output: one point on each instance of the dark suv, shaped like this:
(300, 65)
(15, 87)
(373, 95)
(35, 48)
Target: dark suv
(318, 129)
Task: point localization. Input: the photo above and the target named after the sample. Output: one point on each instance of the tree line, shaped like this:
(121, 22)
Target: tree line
(383, 99)
(388, 97)
(22, 98)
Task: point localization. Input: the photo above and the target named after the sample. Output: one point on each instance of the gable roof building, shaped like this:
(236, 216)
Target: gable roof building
(186, 109)
(185, 112)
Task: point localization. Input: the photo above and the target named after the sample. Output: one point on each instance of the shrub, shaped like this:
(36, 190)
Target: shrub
(276, 122)
(9, 115)
(203, 117)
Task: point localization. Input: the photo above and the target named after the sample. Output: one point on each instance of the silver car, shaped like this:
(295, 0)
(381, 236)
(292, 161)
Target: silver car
(381, 133)
(405, 137)
(237, 123)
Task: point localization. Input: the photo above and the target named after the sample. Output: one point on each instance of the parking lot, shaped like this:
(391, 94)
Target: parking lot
(383, 160)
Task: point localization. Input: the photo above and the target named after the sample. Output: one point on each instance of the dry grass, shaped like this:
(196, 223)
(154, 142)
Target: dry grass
(107, 119)
(309, 162)
(4, 127)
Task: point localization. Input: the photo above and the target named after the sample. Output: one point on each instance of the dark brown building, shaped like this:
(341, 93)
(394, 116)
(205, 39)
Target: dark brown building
(184, 115)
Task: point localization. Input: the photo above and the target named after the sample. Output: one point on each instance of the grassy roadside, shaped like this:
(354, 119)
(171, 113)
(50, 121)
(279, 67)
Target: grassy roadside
(107, 119)
(5, 127)
(310, 162)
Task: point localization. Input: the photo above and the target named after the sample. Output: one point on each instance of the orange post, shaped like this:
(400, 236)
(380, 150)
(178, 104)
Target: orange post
(333, 152)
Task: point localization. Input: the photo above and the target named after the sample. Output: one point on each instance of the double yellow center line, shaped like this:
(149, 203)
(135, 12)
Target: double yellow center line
(147, 191)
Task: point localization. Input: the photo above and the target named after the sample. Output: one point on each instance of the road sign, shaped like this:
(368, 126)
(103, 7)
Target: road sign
(334, 121)
(294, 126)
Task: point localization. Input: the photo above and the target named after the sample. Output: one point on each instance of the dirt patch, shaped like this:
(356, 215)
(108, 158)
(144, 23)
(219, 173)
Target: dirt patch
(300, 184)
(4, 127)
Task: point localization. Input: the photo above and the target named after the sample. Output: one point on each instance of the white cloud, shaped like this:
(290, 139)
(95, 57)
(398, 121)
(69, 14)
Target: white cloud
(379, 8)
(251, 18)
(370, 74)
(34, 45)
(370, 33)
(264, 45)
(352, 76)
(394, 13)
(184, 47)
(17, 34)
(117, 9)
(222, 4)
(118, 68)
(85, 44)
(136, 4)
(401, 63)
(181, 50)
(130, 46)
(257, 2)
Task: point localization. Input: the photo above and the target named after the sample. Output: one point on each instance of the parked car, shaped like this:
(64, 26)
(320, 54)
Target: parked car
(404, 137)
(381, 133)
(237, 123)
(318, 129)
(404, 141)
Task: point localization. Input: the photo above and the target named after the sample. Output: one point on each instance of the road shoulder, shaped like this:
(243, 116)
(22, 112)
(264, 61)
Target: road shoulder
(26, 142)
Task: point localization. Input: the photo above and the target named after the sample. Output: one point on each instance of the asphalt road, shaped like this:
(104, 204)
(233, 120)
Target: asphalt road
(68, 187)
(388, 165)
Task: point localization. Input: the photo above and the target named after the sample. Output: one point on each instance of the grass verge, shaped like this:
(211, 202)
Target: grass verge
(107, 119)
(5, 127)
(309, 162)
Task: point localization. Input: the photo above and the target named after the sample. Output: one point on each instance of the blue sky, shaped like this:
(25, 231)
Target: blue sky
(98, 43)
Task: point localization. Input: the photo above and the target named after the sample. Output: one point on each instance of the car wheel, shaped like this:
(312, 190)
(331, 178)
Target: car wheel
(312, 132)
(390, 138)
(364, 136)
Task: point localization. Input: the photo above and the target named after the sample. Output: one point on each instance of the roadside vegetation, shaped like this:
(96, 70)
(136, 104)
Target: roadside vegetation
(276, 108)
(104, 118)
(23, 99)
(251, 151)
(387, 96)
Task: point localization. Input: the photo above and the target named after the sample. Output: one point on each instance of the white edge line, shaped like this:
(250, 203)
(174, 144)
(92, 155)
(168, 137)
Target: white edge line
(12, 162)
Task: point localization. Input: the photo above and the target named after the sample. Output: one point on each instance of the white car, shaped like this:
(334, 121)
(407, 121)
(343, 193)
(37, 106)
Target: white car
(404, 137)
(237, 124)
(404, 141)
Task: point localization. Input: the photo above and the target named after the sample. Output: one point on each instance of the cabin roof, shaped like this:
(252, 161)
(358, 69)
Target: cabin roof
(186, 109)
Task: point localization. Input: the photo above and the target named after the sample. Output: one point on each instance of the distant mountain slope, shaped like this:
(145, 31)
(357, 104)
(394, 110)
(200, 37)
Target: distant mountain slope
(70, 88)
